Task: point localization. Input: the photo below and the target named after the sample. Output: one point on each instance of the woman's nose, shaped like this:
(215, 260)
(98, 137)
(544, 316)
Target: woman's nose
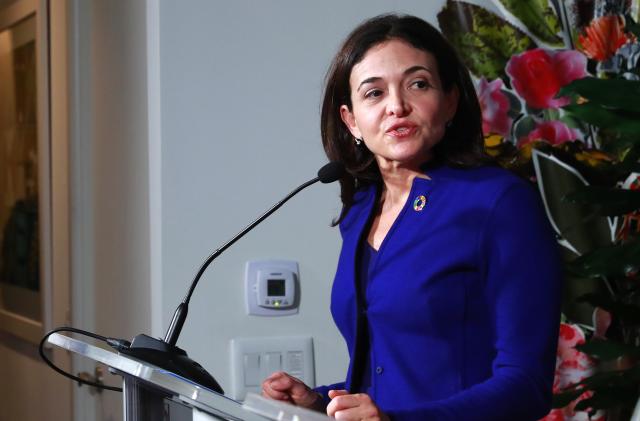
(397, 105)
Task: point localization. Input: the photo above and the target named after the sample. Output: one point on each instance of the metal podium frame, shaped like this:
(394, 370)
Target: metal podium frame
(146, 387)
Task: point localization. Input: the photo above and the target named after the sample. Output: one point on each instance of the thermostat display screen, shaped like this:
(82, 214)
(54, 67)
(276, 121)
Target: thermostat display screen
(275, 288)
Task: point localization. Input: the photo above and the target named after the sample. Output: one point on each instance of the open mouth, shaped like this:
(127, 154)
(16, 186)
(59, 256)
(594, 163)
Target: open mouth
(401, 131)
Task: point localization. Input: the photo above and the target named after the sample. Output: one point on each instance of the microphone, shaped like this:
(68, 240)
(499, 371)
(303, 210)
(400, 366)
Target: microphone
(333, 171)
(163, 352)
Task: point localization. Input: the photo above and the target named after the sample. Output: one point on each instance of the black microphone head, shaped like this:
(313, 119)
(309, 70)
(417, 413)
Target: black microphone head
(331, 172)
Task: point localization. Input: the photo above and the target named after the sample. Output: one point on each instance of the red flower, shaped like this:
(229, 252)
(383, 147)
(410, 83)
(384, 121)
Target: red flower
(495, 105)
(537, 75)
(553, 132)
(603, 37)
(572, 366)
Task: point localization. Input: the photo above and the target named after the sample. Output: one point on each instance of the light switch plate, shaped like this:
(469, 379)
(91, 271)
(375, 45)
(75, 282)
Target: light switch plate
(254, 359)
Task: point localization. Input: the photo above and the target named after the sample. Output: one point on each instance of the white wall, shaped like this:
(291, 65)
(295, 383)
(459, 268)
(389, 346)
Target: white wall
(240, 99)
(120, 164)
(114, 76)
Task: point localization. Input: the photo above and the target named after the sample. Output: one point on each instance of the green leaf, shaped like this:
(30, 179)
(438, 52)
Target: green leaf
(625, 149)
(574, 123)
(608, 350)
(551, 114)
(629, 314)
(560, 400)
(618, 94)
(631, 25)
(608, 202)
(515, 106)
(630, 159)
(617, 378)
(613, 261)
(610, 388)
(557, 179)
(607, 379)
(538, 17)
(524, 126)
(484, 41)
(597, 382)
(619, 144)
(593, 113)
(609, 397)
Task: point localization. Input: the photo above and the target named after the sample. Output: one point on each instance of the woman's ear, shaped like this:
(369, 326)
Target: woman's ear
(350, 121)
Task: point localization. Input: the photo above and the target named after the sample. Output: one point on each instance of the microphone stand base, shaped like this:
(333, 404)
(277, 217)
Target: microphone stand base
(171, 358)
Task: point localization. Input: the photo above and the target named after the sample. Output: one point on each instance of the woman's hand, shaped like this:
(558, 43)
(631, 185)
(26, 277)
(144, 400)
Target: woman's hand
(283, 387)
(359, 406)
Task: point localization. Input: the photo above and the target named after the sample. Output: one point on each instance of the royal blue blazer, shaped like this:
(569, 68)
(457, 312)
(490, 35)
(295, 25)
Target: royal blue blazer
(463, 302)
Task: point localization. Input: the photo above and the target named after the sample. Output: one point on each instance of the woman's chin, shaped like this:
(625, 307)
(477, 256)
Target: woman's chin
(413, 162)
(404, 156)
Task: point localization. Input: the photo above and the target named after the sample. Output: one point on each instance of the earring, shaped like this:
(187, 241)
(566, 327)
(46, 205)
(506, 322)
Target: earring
(358, 141)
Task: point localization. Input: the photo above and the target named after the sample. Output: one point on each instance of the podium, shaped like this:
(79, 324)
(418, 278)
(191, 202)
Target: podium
(150, 393)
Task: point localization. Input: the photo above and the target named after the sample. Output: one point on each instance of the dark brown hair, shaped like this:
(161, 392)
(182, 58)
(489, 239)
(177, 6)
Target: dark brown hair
(462, 144)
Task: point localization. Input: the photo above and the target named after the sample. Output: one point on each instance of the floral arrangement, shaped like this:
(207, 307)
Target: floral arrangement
(559, 86)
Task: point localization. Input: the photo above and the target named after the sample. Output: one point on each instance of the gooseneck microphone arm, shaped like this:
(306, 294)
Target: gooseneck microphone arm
(180, 315)
(163, 352)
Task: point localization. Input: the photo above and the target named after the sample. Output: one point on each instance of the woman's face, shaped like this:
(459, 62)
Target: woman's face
(399, 107)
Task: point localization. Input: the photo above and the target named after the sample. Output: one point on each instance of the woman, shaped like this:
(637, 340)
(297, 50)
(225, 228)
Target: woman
(447, 290)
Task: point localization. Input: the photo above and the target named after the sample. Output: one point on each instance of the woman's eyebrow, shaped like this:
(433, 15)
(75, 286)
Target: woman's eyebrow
(410, 70)
(414, 69)
(368, 80)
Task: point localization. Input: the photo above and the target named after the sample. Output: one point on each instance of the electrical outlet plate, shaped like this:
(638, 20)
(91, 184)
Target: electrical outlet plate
(254, 359)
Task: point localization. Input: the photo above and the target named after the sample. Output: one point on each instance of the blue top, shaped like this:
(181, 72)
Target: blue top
(366, 262)
(463, 301)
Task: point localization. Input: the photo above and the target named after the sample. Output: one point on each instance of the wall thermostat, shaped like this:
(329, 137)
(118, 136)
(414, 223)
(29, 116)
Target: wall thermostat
(271, 287)
(276, 288)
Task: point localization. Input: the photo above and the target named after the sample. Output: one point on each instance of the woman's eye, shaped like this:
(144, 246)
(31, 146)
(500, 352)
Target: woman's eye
(420, 84)
(373, 93)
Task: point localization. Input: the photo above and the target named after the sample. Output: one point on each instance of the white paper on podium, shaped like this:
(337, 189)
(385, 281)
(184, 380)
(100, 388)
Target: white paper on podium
(280, 411)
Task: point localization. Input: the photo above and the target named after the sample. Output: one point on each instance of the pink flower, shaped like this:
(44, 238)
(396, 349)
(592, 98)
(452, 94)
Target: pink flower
(495, 105)
(553, 132)
(602, 319)
(537, 75)
(572, 366)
